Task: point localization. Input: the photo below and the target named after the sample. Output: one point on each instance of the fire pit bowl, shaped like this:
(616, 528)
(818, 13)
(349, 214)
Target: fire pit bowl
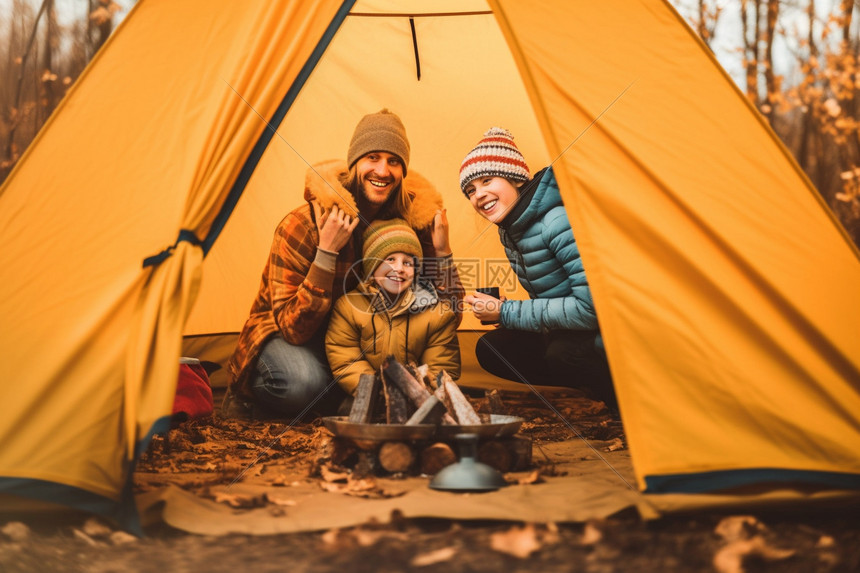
(341, 427)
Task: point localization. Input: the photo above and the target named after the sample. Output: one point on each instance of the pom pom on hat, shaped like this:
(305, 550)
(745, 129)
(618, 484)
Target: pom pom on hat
(495, 155)
(383, 237)
(381, 131)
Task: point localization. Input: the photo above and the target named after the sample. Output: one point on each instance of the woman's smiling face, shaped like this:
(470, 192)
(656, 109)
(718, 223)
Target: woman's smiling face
(492, 197)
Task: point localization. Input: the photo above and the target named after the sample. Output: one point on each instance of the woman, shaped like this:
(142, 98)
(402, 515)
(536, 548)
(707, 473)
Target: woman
(558, 322)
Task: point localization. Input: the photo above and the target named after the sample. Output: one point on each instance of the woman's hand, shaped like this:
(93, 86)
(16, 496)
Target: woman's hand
(441, 243)
(335, 227)
(486, 308)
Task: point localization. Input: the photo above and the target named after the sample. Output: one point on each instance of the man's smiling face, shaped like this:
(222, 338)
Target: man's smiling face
(379, 173)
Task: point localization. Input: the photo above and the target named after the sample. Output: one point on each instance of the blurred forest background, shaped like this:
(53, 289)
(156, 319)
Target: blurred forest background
(796, 61)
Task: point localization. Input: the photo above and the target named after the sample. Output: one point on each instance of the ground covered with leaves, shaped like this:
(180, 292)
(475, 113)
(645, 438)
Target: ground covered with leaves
(203, 455)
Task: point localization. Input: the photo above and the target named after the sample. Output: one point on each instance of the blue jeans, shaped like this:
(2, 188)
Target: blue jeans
(292, 379)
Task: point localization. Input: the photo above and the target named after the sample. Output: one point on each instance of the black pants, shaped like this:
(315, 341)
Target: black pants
(558, 358)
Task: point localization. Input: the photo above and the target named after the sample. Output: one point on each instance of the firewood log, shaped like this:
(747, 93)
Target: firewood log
(460, 407)
(436, 457)
(396, 403)
(447, 418)
(394, 372)
(395, 457)
(495, 454)
(496, 406)
(423, 375)
(365, 466)
(521, 451)
(365, 399)
(341, 450)
(430, 412)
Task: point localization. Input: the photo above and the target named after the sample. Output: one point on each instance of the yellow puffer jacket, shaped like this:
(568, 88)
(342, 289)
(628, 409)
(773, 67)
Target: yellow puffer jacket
(363, 332)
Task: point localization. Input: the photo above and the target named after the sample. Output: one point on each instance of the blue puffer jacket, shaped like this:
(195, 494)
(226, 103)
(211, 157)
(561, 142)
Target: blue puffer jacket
(540, 246)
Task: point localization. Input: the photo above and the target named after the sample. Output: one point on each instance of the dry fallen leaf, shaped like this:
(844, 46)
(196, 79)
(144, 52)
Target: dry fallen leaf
(363, 484)
(730, 558)
(95, 528)
(330, 475)
(86, 538)
(240, 501)
(121, 538)
(517, 541)
(433, 557)
(16, 531)
(333, 487)
(367, 538)
(615, 444)
(330, 536)
(551, 536)
(591, 534)
(280, 480)
(738, 527)
(533, 477)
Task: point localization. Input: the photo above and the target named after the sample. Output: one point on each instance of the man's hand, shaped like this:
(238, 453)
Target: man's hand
(335, 227)
(441, 243)
(486, 308)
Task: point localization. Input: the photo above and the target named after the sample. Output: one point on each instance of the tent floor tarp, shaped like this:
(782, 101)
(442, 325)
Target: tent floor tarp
(591, 484)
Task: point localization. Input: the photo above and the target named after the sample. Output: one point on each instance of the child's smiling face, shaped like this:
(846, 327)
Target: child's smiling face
(396, 273)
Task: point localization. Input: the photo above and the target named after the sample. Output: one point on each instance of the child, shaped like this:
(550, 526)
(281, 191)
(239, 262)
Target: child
(553, 338)
(391, 313)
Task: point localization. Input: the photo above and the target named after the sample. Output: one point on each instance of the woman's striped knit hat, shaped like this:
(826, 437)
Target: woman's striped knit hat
(383, 237)
(495, 155)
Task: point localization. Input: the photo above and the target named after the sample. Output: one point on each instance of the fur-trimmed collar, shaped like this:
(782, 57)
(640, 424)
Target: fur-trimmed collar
(324, 184)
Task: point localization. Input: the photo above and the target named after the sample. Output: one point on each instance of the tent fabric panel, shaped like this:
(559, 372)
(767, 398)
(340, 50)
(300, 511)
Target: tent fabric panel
(460, 54)
(272, 125)
(729, 480)
(696, 265)
(14, 490)
(75, 232)
(287, 36)
(700, 275)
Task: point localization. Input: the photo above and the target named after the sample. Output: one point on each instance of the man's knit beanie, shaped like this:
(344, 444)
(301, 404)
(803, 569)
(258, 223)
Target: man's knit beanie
(381, 131)
(383, 237)
(495, 155)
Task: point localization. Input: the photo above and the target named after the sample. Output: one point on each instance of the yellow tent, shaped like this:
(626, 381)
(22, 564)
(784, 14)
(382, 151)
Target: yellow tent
(141, 216)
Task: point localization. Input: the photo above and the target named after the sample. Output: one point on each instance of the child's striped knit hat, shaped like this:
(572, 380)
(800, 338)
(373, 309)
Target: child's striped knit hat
(495, 155)
(388, 236)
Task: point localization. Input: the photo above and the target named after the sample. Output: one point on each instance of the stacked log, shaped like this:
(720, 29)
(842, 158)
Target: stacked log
(406, 394)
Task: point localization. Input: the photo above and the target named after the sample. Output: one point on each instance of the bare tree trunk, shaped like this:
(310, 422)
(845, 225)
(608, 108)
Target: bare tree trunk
(48, 75)
(846, 12)
(846, 9)
(701, 27)
(770, 33)
(807, 147)
(750, 50)
(848, 101)
(11, 137)
(105, 26)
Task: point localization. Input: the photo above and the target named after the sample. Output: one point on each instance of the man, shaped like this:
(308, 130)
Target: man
(279, 363)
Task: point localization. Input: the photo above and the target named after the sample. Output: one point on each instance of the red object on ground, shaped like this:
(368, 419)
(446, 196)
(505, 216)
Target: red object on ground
(193, 393)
